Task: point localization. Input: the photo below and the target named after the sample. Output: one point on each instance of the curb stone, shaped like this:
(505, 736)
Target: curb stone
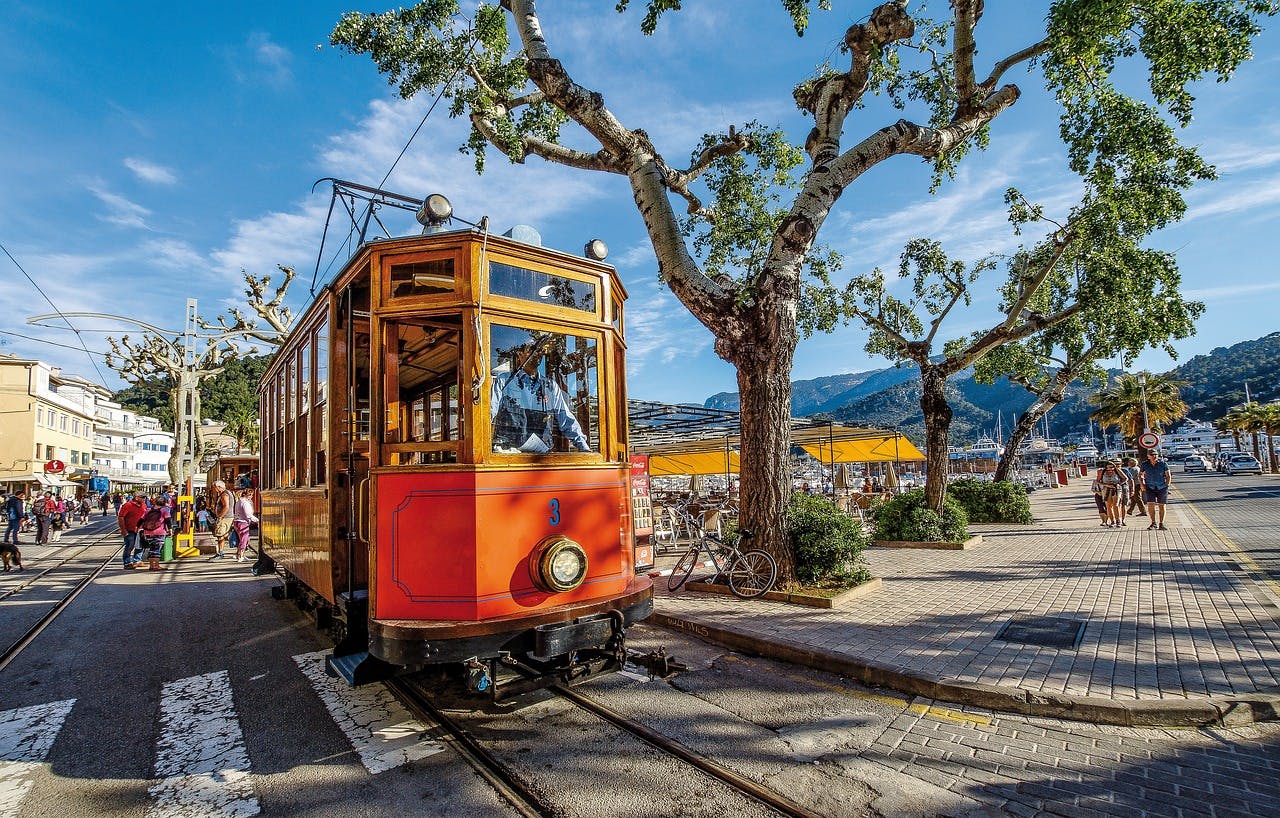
(1229, 711)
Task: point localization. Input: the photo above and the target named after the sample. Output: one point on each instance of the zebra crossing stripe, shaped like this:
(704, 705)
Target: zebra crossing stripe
(26, 734)
(202, 765)
(380, 730)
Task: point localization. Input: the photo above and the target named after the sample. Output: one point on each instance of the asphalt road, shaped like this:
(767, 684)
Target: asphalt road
(191, 692)
(1246, 508)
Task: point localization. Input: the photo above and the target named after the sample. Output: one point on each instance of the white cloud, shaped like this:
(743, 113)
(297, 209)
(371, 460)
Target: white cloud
(1230, 292)
(150, 171)
(640, 255)
(1216, 200)
(261, 61)
(120, 211)
(173, 254)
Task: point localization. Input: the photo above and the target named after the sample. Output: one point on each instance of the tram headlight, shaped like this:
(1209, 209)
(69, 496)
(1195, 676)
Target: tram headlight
(436, 210)
(558, 564)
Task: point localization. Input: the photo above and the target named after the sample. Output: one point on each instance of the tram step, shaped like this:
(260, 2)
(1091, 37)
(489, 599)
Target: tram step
(358, 668)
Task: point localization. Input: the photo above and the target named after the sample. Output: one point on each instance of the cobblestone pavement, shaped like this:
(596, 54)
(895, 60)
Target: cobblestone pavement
(1169, 614)
(1031, 766)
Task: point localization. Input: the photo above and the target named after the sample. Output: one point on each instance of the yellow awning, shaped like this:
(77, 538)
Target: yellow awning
(663, 465)
(830, 443)
(864, 450)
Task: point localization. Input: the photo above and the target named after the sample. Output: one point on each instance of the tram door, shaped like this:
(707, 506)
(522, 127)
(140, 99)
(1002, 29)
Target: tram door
(351, 450)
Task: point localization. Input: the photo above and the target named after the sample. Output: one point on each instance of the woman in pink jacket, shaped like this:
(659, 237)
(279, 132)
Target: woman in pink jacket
(241, 518)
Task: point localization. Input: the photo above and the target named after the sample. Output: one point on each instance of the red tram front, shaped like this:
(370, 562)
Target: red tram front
(444, 461)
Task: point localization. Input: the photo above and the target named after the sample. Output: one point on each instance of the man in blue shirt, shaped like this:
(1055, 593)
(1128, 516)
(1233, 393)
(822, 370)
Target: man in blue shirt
(524, 405)
(1155, 488)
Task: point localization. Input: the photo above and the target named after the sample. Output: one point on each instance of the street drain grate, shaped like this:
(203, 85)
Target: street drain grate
(1045, 631)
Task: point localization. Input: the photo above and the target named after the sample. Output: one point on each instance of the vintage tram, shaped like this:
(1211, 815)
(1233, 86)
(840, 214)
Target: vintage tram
(444, 474)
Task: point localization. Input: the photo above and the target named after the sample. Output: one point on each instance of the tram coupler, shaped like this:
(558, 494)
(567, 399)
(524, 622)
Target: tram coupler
(479, 676)
(657, 662)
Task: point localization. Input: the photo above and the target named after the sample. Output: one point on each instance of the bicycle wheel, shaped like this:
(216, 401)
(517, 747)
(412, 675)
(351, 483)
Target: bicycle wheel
(752, 574)
(683, 570)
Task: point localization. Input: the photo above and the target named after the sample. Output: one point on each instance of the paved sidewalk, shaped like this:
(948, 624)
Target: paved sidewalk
(1169, 615)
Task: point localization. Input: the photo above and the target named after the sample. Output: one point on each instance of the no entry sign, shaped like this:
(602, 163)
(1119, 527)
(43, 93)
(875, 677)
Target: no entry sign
(1149, 440)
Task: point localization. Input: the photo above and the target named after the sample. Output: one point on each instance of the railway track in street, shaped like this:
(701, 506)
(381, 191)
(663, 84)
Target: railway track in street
(9, 653)
(523, 793)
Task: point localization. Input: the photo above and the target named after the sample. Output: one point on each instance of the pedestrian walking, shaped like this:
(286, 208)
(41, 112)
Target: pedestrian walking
(1112, 480)
(1130, 468)
(129, 518)
(152, 530)
(242, 518)
(223, 508)
(1098, 498)
(104, 501)
(15, 511)
(1156, 480)
(57, 518)
(41, 509)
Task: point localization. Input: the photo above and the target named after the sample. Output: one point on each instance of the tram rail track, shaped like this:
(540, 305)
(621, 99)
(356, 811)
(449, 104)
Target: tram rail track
(528, 803)
(11, 652)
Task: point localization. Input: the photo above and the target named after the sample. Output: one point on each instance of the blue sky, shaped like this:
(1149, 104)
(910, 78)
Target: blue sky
(149, 152)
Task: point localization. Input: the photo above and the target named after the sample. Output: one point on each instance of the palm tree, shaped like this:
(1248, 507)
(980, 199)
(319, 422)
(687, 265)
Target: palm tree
(1249, 418)
(1120, 404)
(241, 425)
(1271, 425)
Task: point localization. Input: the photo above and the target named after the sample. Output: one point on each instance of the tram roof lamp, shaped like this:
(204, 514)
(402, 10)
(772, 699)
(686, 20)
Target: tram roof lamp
(596, 250)
(435, 211)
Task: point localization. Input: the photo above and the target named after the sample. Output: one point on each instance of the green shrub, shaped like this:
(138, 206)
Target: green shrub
(827, 542)
(984, 502)
(908, 517)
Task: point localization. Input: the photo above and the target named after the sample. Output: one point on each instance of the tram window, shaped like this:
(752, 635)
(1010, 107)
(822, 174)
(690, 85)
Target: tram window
(422, 278)
(422, 358)
(544, 288)
(544, 393)
(320, 433)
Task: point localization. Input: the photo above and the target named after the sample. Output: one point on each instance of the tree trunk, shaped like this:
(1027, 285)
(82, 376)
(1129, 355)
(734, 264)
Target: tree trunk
(1021, 429)
(937, 426)
(1257, 453)
(1271, 448)
(764, 389)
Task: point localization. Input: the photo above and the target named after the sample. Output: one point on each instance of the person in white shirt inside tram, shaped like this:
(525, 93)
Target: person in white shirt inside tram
(527, 405)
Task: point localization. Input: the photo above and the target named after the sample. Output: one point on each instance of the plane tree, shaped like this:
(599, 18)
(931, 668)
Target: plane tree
(734, 223)
(1048, 363)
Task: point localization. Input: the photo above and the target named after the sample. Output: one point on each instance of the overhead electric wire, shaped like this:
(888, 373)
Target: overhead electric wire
(475, 39)
(50, 343)
(101, 377)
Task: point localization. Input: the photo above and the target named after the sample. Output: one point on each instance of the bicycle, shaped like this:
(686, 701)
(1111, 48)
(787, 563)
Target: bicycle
(750, 573)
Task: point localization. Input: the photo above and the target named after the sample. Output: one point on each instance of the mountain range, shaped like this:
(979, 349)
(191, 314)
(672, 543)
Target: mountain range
(890, 397)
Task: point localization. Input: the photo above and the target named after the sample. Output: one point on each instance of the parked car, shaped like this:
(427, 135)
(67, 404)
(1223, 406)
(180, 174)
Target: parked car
(1244, 464)
(1195, 462)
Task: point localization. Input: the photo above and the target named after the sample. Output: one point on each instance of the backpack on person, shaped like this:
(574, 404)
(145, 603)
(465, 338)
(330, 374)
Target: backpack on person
(151, 520)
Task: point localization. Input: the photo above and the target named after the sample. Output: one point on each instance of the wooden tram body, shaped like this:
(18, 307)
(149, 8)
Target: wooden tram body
(395, 499)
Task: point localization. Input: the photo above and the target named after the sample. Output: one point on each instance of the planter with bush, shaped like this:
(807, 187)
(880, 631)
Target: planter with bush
(828, 546)
(907, 521)
(985, 502)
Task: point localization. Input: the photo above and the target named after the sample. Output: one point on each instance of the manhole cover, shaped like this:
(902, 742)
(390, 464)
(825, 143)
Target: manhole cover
(1046, 631)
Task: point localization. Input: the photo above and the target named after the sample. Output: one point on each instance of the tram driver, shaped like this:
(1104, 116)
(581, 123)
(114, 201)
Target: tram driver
(525, 403)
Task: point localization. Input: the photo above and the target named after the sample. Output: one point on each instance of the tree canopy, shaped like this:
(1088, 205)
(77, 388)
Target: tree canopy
(754, 199)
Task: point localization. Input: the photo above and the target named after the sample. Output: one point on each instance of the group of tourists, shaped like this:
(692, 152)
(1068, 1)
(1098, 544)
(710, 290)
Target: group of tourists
(144, 522)
(1125, 488)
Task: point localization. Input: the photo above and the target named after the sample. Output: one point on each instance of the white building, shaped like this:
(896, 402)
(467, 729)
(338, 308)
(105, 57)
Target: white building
(129, 448)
